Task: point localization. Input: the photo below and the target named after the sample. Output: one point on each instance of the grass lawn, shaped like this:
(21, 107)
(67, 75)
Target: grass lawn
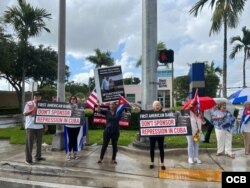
(17, 136)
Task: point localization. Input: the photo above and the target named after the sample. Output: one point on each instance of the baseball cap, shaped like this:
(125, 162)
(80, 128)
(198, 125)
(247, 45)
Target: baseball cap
(37, 93)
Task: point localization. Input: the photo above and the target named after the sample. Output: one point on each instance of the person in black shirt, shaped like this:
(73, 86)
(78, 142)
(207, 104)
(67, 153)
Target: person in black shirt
(159, 139)
(111, 130)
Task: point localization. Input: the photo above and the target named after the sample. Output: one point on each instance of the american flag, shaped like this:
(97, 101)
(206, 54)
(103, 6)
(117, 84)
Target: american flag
(92, 99)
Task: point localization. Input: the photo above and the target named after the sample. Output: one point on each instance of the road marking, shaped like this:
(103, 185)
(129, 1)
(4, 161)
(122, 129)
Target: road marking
(191, 174)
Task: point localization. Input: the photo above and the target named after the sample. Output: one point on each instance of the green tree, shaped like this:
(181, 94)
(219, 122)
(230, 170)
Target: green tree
(9, 66)
(160, 45)
(212, 79)
(225, 13)
(134, 80)
(76, 88)
(181, 89)
(242, 44)
(27, 22)
(210, 69)
(91, 84)
(42, 66)
(101, 58)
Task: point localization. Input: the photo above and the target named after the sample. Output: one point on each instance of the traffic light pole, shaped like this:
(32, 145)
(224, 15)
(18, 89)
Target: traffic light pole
(172, 93)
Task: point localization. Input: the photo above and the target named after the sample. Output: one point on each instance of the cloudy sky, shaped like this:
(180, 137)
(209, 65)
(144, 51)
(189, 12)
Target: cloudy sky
(116, 26)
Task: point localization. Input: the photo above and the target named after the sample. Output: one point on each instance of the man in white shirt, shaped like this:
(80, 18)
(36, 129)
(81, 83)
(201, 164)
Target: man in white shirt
(105, 84)
(34, 132)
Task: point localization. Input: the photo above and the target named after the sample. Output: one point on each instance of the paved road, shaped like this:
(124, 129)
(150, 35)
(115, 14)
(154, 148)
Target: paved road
(131, 171)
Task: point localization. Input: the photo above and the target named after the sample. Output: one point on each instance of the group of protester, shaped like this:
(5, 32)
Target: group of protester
(222, 120)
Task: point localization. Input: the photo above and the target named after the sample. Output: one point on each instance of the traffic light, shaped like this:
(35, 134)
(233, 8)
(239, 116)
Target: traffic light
(166, 56)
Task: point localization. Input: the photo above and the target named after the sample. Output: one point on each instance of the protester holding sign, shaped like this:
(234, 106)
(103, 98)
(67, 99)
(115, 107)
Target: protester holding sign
(160, 139)
(34, 132)
(72, 132)
(153, 139)
(111, 130)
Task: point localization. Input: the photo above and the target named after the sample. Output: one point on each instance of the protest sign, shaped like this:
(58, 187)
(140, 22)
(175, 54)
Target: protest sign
(170, 122)
(59, 113)
(109, 83)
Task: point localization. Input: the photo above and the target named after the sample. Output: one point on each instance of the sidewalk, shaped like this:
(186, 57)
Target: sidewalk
(132, 169)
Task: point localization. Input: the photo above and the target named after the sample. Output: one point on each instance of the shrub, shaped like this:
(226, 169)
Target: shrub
(9, 110)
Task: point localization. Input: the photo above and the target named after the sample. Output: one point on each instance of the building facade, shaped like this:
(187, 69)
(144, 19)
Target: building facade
(164, 88)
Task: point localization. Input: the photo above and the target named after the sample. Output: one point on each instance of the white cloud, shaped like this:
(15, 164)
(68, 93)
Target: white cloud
(107, 23)
(83, 77)
(4, 85)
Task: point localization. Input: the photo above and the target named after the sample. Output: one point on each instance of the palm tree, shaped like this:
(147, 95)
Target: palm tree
(242, 43)
(211, 70)
(160, 45)
(225, 13)
(212, 79)
(101, 58)
(27, 22)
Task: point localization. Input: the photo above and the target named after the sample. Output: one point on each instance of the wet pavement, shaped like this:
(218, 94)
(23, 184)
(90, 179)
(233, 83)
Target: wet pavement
(132, 169)
(10, 120)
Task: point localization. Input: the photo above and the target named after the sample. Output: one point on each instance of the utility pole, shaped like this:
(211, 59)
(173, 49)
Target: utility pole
(58, 139)
(149, 61)
(149, 53)
(172, 89)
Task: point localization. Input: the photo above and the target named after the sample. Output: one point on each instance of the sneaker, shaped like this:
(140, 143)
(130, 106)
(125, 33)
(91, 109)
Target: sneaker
(232, 156)
(197, 160)
(219, 154)
(75, 156)
(68, 157)
(190, 161)
(28, 162)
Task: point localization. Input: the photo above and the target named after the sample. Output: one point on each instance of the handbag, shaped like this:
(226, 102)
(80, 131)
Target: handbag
(197, 136)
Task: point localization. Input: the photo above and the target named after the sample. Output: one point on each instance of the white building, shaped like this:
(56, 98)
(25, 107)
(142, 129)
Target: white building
(164, 88)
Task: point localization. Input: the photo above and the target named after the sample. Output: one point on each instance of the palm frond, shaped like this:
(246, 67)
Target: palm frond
(197, 7)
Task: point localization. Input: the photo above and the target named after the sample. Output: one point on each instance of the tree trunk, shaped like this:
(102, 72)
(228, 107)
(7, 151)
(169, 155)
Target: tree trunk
(244, 69)
(225, 59)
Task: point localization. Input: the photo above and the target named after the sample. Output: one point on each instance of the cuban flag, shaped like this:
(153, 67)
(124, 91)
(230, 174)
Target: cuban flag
(245, 118)
(81, 139)
(123, 103)
(197, 100)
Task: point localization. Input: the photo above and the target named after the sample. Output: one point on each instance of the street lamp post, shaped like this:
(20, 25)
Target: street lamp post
(149, 53)
(58, 139)
(149, 61)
